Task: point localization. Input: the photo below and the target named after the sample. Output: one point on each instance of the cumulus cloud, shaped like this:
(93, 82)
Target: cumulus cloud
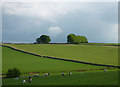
(54, 31)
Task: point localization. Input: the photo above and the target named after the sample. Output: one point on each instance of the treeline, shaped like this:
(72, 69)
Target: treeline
(71, 39)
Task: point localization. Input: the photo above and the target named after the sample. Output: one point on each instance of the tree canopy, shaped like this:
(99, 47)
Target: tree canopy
(44, 39)
(73, 39)
(13, 73)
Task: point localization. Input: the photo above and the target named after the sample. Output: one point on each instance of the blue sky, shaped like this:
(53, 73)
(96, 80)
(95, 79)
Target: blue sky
(25, 21)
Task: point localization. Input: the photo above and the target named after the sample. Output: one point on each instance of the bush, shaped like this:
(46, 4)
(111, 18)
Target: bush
(13, 73)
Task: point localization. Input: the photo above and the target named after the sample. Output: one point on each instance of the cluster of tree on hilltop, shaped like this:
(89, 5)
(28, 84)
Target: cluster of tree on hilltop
(71, 39)
(44, 39)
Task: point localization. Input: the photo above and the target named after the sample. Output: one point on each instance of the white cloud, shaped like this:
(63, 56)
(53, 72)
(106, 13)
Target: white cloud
(49, 11)
(45, 11)
(54, 31)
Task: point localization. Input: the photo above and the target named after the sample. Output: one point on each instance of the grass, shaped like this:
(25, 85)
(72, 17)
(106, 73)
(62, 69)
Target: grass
(101, 44)
(87, 53)
(29, 63)
(89, 78)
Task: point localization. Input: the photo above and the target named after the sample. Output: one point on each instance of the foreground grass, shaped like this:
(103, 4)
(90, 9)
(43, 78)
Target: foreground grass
(29, 63)
(86, 53)
(89, 78)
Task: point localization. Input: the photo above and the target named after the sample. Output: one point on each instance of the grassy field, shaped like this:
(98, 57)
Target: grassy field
(101, 44)
(87, 53)
(29, 63)
(89, 78)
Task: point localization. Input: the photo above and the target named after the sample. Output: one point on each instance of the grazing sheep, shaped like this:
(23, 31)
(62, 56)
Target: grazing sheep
(70, 73)
(104, 70)
(37, 75)
(63, 74)
(48, 74)
(43, 75)
(24, 81)
(34, 75)
(30, 79)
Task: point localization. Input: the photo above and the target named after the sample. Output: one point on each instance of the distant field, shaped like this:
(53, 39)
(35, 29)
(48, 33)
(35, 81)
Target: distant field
(102, 44)
(87, 53)
(29, 63)
(89, 78)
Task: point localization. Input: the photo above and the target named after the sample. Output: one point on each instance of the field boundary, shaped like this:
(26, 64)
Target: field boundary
(60, 58)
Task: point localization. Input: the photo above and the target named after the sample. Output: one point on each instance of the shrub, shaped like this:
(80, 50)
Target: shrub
(12, 73)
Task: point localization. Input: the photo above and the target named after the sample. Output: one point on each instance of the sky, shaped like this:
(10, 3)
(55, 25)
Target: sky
(25, 21)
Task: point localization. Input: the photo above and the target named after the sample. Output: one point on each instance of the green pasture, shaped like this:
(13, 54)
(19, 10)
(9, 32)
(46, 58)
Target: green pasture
(101, 44)
(87, 53)
(29, 63)
(89, 78)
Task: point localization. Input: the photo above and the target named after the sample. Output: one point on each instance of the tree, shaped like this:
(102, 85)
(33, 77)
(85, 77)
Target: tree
(12, 73)
(73, 39)
(79, 39)
(85, 39)
(44, 39)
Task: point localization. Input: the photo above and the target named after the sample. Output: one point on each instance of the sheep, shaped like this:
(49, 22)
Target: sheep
(70, 73)
(24, 81)
(104, 70)
(30, 79)
(63, 74)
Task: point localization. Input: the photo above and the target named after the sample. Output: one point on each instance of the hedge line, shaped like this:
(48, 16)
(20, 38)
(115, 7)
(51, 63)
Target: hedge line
(60, 58)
